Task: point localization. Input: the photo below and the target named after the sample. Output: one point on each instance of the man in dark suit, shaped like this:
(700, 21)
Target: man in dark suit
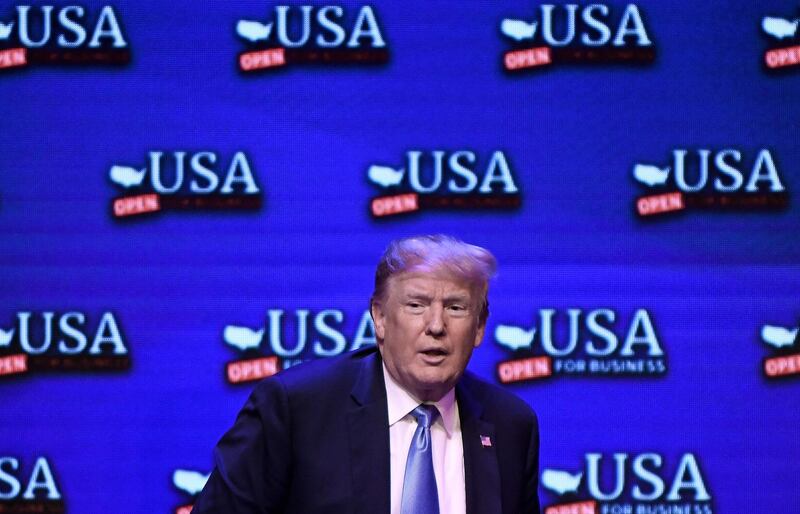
(398, 429)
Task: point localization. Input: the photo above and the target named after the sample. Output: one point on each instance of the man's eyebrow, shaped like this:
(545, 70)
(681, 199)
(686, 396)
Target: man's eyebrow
(457, 297)
(417, 295)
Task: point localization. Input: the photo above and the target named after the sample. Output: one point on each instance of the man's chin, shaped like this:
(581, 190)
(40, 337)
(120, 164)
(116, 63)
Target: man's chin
(433, 389)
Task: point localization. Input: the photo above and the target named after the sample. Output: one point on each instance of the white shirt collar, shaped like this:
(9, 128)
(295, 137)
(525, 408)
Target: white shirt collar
(401, 403)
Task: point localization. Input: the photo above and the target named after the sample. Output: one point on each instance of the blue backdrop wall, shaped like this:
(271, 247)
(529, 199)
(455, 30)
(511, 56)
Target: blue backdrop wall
(193, 195)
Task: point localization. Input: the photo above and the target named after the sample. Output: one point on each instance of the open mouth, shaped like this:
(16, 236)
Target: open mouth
(434, 353)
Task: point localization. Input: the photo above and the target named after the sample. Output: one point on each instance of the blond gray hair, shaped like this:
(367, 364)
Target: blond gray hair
(436, 252)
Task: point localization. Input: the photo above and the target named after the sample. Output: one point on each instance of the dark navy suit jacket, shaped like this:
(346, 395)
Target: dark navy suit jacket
(314, 439)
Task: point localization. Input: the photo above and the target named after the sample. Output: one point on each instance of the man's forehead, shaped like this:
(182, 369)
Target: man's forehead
(431, 281)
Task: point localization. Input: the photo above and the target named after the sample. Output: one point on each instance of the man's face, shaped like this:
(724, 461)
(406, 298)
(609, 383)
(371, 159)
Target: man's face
(427, 325)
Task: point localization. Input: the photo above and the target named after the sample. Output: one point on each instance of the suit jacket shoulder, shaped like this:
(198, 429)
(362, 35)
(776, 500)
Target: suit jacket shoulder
(311, 439)
(499, 404)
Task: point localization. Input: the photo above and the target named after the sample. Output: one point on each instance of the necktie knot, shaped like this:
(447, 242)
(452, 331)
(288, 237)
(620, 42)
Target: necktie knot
(425, 415)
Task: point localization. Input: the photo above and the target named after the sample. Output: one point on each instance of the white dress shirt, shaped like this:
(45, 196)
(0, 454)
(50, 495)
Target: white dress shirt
(448, 450)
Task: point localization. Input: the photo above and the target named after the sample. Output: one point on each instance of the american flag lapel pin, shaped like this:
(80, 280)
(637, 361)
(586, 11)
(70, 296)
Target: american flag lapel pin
(486, 441)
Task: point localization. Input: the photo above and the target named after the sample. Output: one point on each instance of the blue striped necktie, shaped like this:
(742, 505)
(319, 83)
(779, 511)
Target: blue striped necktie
(419, 484)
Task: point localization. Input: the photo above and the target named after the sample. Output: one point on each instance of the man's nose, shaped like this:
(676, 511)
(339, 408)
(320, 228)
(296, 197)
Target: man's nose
(435, 326)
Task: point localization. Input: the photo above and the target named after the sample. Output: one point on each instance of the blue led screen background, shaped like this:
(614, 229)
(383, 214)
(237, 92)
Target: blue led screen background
(705, 293)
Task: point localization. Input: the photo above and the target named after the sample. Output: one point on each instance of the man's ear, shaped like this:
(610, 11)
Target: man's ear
(479, 335)
(376, 311)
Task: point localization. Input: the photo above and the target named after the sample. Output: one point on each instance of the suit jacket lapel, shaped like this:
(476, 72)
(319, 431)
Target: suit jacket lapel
(368, 424)
(481, 472)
